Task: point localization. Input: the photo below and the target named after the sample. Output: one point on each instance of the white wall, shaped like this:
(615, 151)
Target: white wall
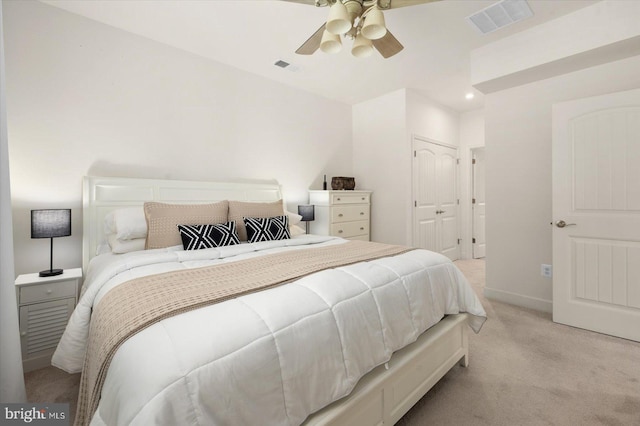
(84, 98)
(381, 158)
(518, 177)
(382, 155)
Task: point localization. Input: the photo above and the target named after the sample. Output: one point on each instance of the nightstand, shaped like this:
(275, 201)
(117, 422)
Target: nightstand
(44, 307)
(341, 213)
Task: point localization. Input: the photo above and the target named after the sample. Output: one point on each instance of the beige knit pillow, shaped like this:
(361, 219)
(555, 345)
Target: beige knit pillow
(163, 220)
(241, 209)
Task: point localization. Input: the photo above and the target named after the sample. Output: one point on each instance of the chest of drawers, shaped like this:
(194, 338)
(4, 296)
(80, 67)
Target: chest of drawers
(343, 214)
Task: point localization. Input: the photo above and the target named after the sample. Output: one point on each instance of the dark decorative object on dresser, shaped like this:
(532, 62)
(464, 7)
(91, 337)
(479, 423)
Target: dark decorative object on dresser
(341, 182)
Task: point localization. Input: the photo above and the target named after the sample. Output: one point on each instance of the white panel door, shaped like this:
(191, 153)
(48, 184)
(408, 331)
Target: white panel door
(478, 204)
(435, 180)
(596, 214)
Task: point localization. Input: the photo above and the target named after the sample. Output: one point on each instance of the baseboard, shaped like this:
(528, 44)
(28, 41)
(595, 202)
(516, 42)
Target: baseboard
(519, 300)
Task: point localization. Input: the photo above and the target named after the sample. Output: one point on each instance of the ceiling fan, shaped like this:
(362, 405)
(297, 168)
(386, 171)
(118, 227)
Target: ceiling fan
(359, 20)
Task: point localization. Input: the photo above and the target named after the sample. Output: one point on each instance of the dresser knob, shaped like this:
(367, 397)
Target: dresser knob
(340, 231)
(363, 198)
(338, 198)
(49, 291)
(361, 228)
(340, 215)
(361, 213)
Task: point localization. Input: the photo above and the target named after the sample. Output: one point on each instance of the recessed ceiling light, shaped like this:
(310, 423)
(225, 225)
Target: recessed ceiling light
(469, 95)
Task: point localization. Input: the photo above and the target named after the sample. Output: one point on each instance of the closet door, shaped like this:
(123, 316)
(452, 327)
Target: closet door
(596, 214)
(435, 218)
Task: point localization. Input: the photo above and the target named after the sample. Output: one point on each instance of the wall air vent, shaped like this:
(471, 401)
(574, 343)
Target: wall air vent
(281, 64)
(500, 15)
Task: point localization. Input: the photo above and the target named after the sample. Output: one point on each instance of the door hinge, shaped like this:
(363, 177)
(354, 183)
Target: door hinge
(458, 201)
(457, 161)
(473, 240)
(473, 201)
(459, 241)
(415, 204)
(473, 161)
(415, 154)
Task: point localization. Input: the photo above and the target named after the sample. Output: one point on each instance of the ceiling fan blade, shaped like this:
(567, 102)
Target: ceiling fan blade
(394, 4)
(312, 44)
(388, 45)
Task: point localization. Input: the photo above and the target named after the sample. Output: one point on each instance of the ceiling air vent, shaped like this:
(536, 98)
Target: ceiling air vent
(281, 64)
(500, 15)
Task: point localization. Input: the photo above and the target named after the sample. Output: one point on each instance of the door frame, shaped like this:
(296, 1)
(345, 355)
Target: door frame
(414, 189)
(472, 187)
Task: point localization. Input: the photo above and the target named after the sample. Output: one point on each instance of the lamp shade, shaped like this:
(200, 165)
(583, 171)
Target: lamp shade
(339, 21)
(374, 27)
(50, 223)
(330, 43)
(307, 213)
(362, 47)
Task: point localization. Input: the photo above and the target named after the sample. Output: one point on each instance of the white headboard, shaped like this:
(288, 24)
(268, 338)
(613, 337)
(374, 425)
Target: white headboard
(101, 195)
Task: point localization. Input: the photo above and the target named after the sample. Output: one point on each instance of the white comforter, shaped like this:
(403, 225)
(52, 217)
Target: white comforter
(269, 358)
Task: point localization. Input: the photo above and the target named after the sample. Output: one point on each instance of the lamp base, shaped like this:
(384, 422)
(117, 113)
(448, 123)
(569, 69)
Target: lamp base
(50, 272)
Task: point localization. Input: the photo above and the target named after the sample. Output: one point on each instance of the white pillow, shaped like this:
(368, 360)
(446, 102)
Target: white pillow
(294, 218)
(126, 224)
(125, 246)
(296, 230)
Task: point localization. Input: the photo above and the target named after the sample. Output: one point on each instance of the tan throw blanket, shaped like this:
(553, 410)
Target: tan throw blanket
(139, 303)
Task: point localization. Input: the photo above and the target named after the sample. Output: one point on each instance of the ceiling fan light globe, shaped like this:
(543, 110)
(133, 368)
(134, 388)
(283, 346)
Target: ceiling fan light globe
(330, 43)
(362, 47)
(374, 27)
(339, 21)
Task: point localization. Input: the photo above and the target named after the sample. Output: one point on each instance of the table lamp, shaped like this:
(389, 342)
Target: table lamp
(308, 214)
(50, 223)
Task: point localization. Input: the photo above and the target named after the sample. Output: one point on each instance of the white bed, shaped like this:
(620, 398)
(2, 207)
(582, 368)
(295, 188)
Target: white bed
(400, 361)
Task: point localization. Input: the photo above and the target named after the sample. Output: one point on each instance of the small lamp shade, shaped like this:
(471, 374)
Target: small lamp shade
(50, 224)
(308, 214)
(339, 21)
(362, 47)
(374, 26)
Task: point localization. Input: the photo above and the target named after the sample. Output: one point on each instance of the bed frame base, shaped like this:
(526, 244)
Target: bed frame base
(383, 396)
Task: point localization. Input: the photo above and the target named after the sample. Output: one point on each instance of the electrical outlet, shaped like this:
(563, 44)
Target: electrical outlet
(546, 271)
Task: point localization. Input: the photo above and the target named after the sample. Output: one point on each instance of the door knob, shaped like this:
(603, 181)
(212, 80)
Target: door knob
(562, 224)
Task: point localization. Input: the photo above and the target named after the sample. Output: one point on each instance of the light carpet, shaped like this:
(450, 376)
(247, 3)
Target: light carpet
(524, 370)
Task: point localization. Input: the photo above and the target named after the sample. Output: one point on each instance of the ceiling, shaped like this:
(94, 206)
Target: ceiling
(253, 34)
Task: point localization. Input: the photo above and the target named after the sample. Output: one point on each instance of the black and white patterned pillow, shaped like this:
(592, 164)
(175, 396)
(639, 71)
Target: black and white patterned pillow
(267, 228)
(196, 237)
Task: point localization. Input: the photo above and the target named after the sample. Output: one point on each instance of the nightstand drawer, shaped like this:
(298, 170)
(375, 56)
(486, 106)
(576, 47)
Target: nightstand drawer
(349, 213)
(47, 291)
(350, 198)
(350, 229)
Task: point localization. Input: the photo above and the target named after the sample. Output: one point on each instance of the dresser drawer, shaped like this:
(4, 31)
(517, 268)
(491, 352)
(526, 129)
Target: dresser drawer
(350, 229)
(350, 198)
(349, 213)
(47, 291)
